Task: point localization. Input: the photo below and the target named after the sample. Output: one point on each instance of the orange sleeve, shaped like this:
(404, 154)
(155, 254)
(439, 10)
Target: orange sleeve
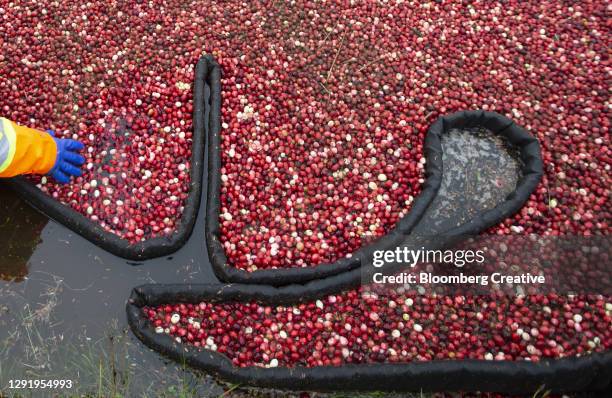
(33, 152)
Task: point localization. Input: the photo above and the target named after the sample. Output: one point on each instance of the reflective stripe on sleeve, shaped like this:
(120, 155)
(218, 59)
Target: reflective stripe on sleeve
(7, 143)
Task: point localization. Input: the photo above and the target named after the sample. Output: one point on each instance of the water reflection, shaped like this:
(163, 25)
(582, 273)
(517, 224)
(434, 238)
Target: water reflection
(20, 228)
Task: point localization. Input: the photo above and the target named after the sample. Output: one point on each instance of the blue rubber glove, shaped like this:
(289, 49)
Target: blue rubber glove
(68, 160)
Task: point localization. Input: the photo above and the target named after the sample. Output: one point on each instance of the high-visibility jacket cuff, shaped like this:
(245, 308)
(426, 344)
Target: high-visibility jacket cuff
(34, 151)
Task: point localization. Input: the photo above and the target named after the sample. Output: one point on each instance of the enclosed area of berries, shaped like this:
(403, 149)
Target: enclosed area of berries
(326, 106)
(110, 76)
(360, 327)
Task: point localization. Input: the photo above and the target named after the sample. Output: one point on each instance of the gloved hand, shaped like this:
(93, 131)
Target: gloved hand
(68, 160)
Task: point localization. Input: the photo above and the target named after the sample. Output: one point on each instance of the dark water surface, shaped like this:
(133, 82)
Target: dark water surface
(62, 308)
